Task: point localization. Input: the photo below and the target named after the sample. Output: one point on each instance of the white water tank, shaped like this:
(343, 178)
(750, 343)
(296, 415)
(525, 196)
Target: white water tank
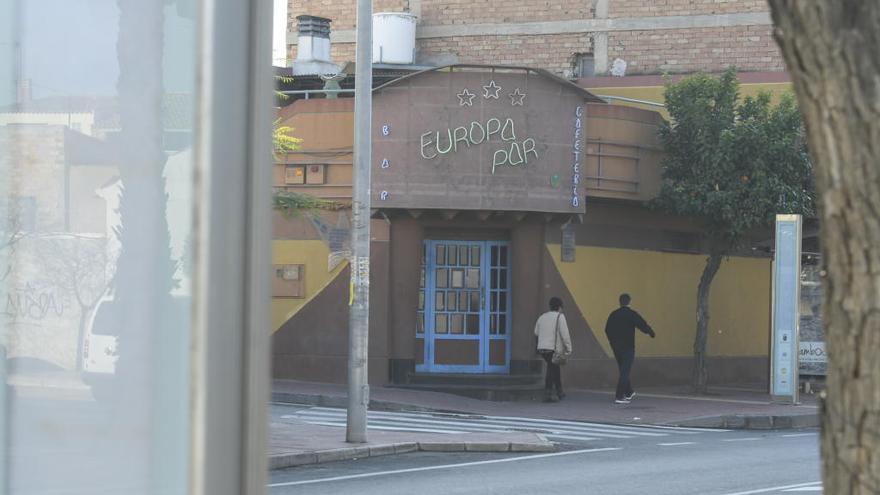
(394, 37)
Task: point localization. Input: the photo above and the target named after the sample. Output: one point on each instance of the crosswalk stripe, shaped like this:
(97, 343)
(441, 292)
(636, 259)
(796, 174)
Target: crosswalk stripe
(562, 429)
(501, 425)
(478, 427)
(682, 429)
(390, 428)
(545, 423)
(597, 425)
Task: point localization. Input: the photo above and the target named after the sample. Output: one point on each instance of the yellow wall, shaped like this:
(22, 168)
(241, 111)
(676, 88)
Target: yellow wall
(655, 93)
(664, 288)
(311, 253)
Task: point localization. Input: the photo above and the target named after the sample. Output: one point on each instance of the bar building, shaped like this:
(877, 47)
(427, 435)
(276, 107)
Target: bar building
(493, 189)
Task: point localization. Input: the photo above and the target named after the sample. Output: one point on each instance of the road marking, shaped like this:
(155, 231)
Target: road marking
(483, 423)
(680, 428)
(792, 435)
(389, 428)
(674, 444)
(776, 488)
(709, 399)
(749, 439)
(444, 466)
(806, 489)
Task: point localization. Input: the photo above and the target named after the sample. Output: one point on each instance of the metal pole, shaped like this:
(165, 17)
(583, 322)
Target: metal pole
(359, 312)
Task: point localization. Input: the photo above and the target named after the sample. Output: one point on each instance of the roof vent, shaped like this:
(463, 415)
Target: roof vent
(313, 47)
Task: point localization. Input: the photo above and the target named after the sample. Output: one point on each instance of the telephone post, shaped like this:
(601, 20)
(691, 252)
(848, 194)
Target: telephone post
(359, 311)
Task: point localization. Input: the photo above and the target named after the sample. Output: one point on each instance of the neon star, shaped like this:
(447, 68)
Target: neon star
(516, 98)
(491, 90)
(466, 98)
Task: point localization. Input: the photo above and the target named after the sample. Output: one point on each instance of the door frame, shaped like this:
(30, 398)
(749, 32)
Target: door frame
(484, 337)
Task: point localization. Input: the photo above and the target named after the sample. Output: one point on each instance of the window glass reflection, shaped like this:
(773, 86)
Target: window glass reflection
(97, 131)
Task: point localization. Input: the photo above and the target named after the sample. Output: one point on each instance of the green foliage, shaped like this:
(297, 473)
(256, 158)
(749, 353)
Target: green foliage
(732, 163)
(291, 203)
(282, 141)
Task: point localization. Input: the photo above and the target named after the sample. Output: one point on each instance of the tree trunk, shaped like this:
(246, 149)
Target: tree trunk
(831, 51)
(700, 375)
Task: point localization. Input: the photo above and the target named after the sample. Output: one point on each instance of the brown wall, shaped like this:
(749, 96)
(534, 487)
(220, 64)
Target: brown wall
(313, 344)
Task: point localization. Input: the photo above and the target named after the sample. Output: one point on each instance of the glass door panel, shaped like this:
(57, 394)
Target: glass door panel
(466, 298)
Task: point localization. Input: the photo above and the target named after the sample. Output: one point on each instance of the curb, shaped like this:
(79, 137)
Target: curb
(281, 461)
(752, 422)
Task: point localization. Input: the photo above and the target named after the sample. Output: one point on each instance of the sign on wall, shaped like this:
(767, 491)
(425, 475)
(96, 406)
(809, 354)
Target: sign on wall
(786, 309)
(481, 140)
(813, 358)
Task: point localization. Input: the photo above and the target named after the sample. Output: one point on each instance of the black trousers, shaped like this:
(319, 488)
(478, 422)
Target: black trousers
(553, 378)
(625, 358)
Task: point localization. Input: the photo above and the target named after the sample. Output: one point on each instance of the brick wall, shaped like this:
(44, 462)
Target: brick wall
(750, 48)
(441, 12)
(551, 52)
(645, 8)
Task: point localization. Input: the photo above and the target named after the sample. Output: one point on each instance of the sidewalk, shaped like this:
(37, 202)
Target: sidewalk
(294, 443)
(673, 406)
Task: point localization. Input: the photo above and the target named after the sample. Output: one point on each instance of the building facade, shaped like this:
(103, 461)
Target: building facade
(495, 188)
(572, 39)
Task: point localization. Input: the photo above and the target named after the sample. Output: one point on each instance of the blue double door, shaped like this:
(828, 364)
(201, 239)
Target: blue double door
(463, 323)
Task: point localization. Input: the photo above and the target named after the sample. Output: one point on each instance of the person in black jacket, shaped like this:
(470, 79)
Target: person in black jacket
(621, 329)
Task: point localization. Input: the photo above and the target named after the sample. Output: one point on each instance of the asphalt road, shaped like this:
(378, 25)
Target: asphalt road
(680, 463)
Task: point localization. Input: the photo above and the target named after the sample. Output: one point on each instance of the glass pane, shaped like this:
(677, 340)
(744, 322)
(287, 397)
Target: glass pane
(502, 324)
(440, 323)
(473, 278)
(451, 255)
(462, 301)
(457, 276)
(96, 169)
(473, 324)
(420, 323)
(422, 277)
(494, 301)
(421, 300)
(502, 302)
(493, 324)
(494, 256)
(475, 255)
(451, 301)
(463, 255)
(503, 260)
(475, 301)
(493, 278)
(439, 301)
(503, 280)
(456, 324)
(441, 278)
(440, 257)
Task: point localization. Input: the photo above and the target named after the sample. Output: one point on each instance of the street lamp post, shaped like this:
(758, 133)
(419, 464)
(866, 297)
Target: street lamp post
(359, 312)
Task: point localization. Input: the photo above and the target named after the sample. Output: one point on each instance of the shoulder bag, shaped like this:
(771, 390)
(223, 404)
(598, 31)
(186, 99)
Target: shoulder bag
(559, 358)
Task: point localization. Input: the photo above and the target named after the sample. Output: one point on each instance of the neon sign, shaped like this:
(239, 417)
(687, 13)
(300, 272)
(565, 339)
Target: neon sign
(576, 155)
(513, 154)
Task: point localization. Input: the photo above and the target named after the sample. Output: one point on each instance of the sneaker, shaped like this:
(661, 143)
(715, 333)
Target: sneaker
(630, 396)
(621, 401)
(561, 395)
